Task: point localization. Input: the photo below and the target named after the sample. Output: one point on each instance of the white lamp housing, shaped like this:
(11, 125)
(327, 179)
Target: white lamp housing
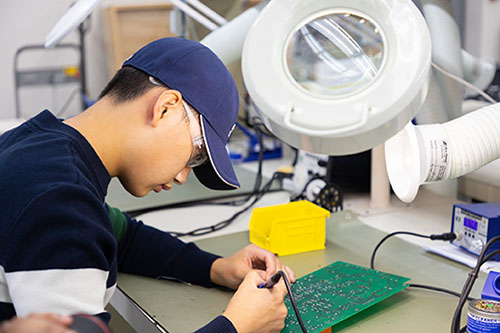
(337, 76)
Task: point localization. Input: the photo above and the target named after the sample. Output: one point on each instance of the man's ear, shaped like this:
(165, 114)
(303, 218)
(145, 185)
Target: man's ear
(167, 101)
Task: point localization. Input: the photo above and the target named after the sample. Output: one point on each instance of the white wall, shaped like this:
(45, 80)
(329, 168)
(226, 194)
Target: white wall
(24, 22)
(482, 28)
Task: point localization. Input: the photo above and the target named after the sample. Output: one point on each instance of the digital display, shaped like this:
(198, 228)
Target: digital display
(470, 223)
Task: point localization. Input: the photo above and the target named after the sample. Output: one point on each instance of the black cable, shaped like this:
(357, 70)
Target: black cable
(448, 236)
(258, 180)
(488, 257)
(292, 300)
(258, 177)
(256, 122)
(423, 286)
(491, 255)
(225, 223)
(469, 283)
(68, 102)
(445, 236)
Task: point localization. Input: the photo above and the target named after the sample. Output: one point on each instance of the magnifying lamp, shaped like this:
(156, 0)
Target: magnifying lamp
(337, 76)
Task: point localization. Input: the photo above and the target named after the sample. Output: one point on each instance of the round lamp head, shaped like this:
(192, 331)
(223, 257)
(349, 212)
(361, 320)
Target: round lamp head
(337, 76)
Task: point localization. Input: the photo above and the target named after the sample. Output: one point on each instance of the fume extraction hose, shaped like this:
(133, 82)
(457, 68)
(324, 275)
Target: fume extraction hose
(436, 152)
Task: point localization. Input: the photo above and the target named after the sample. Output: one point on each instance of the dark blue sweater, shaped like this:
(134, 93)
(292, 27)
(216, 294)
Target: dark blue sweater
(60, 244)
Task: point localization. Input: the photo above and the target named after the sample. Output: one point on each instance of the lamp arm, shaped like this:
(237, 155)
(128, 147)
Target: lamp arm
(77, 13)
(194, 15)
(207, 11)
(227, 41)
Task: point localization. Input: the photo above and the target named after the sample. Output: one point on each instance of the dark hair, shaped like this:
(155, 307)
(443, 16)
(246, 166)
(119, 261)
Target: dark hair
(130, 83)
(127, 84)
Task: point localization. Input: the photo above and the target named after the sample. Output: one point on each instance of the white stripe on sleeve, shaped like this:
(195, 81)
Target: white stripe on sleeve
(64, 291)
(4, 290)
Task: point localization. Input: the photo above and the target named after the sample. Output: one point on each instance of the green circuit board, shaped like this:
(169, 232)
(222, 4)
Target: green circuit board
(336, 292)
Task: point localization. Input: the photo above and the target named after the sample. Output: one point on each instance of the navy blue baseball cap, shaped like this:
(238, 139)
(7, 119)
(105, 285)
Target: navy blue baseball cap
(206, 84)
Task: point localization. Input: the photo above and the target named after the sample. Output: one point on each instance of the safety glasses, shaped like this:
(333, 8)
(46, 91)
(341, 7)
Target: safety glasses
(199, 154)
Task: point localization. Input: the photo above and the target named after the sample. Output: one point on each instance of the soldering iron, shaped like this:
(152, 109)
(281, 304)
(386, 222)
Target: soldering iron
(271, 281)
(275, 279)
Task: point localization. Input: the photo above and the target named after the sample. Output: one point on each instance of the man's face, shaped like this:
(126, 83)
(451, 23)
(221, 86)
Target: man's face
(160, 155)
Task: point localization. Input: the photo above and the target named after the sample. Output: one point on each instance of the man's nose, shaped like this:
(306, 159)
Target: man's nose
(181, 177)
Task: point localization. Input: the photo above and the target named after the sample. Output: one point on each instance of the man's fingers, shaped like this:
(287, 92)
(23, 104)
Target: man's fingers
(289, 273)
(267, 257)
(254, 278)
(272, 264)
(262, 274)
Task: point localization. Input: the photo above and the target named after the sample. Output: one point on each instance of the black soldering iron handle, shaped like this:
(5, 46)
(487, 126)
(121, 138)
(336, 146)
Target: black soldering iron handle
(271, 281)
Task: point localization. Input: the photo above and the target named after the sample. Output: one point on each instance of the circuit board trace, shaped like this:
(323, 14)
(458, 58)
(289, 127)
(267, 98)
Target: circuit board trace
(336, 292)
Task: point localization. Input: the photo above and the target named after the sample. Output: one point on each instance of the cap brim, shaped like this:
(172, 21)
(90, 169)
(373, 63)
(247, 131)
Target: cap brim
(218, 172)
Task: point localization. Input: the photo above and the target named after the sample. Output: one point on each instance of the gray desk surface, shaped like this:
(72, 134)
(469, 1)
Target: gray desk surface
(182, 308)
(191, 190)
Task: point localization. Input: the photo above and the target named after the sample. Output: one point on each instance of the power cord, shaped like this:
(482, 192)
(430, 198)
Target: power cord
(446, 291)
(447, 236)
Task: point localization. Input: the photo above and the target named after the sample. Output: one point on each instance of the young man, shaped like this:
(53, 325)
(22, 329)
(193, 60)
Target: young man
(170, 108)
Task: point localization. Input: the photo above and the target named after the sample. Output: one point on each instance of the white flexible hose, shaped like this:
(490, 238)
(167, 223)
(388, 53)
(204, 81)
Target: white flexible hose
(474, 140)
(446, 51)
(436, 152)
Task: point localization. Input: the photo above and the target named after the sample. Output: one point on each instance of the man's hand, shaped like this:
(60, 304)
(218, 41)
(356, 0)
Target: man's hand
(257, 310)
(232, 270)
(38, 323)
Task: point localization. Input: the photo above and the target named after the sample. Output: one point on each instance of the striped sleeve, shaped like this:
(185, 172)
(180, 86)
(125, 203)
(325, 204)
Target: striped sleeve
(59, 255)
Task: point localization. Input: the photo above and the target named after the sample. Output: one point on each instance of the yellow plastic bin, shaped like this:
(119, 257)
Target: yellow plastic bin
(291, 228)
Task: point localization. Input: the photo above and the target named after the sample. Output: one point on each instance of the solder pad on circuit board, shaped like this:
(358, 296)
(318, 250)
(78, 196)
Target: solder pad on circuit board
(336, 292)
